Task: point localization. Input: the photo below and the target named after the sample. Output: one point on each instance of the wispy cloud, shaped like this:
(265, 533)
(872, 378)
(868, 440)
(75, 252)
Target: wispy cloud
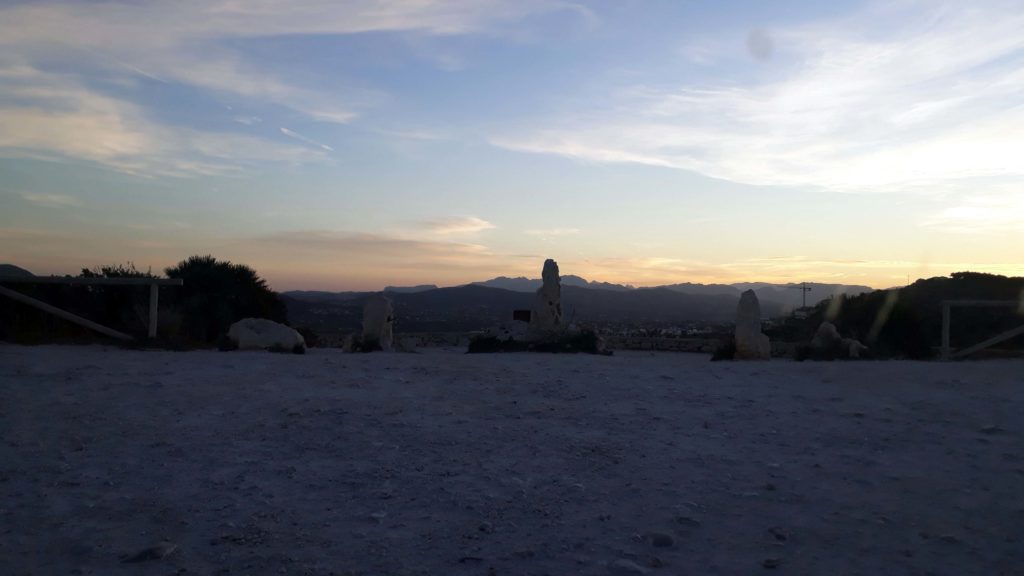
(193, 42)
(325, 258)
(301, 138)
(660, 270)
(458, 225)
(932, 97)
(51, 200)
(48, 110)
(368, 243)
(553, 232)
(986, 213)
(50, 116)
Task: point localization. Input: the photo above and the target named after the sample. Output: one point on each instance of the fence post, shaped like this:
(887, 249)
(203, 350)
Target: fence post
(154, 301)
(945, 331)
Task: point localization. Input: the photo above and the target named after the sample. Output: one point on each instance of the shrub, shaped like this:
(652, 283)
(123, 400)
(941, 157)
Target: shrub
(310, 336)
(726, 350)
(368, 344)
(278, 349)
(584, 341)
(217, 294)
(493, 344)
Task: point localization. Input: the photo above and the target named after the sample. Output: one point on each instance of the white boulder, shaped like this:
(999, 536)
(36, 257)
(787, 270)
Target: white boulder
(828, 342)
(751, 344)
(261, 334)
(378, 321)
(826, 337)
(854, 348)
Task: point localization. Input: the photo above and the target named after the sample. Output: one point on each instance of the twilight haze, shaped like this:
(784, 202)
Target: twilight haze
(350, 145)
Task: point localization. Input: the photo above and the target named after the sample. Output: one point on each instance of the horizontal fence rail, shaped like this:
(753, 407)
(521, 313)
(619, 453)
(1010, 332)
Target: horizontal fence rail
(947, 306)
(90, 281)
(154, 297)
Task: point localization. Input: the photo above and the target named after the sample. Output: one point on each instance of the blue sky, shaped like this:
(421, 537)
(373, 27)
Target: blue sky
(350, 145)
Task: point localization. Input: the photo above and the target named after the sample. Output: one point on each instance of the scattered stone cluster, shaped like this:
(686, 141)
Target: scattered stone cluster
(546, 330)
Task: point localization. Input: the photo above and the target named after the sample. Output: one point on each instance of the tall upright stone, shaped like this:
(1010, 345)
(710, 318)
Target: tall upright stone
(751, 344)
(378, 320)
(546, 316)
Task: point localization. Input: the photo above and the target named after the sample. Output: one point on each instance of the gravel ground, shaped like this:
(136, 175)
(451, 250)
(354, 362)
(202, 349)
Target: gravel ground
(131, 462)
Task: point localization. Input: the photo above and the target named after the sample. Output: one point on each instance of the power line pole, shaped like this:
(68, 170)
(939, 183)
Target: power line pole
(804, 288)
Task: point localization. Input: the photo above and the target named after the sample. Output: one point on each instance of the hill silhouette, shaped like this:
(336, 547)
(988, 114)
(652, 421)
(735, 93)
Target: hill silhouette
(907, 322)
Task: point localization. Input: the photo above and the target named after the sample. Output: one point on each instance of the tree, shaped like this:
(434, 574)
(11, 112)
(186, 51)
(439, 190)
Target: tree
(217, 294)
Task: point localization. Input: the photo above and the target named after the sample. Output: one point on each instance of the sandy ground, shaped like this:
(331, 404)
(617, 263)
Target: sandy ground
(444, 463)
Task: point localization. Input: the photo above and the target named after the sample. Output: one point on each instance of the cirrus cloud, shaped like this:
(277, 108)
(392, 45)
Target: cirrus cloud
(932, 97)
(458, 225)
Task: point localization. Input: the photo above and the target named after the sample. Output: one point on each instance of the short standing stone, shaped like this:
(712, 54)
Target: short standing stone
(378, 321)
(751, 344)
(262, 334)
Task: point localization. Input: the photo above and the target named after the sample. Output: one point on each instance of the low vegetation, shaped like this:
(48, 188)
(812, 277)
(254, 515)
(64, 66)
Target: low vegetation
(583, 341)
(216, 294)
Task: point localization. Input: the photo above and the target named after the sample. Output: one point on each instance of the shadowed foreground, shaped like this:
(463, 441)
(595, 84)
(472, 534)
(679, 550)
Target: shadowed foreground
(444, 463)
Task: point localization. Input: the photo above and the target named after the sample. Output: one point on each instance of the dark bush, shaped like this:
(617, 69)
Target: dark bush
(297, 349)
(493, 344)
(368, 344)
(726, 350)
(584, 341)
(310, 336)
(216, 294)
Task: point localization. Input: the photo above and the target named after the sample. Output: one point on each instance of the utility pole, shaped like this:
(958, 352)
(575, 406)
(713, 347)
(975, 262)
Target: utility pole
(804, 288)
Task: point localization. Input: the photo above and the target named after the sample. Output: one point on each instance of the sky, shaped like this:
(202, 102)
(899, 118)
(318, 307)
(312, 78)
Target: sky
(352, 145)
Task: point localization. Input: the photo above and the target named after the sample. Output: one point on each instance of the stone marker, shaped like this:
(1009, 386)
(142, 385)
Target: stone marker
(546, 316)
(261, 334)
(378, 318)
(751, 344)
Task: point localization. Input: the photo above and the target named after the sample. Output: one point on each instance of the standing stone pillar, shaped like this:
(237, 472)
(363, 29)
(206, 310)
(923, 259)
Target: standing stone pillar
(751, 344)
(378, 318)
(546, 316)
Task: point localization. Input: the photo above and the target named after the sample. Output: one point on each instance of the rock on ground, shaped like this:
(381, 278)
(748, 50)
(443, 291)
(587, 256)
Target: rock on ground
(263, 334)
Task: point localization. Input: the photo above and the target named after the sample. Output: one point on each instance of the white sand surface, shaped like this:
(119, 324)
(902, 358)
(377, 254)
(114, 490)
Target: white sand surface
(444, 463)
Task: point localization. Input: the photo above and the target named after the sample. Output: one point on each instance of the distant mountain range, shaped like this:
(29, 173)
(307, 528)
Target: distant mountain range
(411, 289)
(479, 305)
(789, 296)
(524, 284)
